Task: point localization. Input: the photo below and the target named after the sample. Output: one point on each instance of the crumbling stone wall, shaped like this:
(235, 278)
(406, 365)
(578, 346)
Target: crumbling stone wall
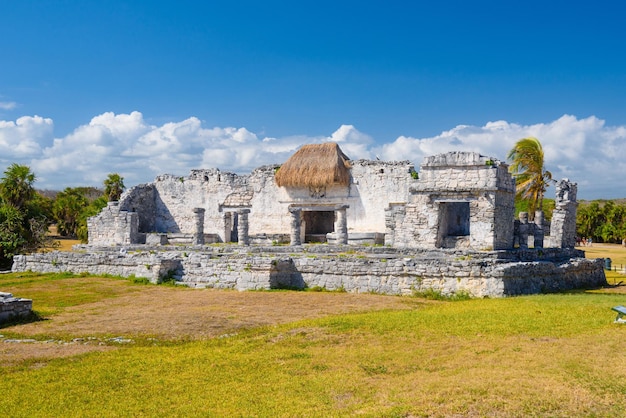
(113, 226)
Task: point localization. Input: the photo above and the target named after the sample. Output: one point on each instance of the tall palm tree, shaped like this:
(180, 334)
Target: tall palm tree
(527, 168)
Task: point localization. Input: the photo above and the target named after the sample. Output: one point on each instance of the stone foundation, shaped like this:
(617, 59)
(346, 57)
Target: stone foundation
(13, 308)
(354, 269)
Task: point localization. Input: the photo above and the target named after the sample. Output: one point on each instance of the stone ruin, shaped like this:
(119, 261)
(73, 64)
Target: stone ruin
(386, 229)
(12, 308)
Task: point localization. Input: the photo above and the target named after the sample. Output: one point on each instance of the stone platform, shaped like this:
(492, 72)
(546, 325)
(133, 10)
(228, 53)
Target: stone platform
(354, 269)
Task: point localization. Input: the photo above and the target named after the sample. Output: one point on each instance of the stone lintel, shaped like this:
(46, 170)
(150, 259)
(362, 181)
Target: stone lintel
(317, 207)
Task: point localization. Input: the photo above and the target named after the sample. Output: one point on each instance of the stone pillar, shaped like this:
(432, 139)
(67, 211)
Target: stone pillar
(523, 230)
(242, 227)
(296, 224)
(538, 234)
(341, 226)
(227, 217)
(563, 228)
(198, 233)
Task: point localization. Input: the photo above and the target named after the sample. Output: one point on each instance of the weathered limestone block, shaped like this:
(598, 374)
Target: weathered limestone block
(14, 308)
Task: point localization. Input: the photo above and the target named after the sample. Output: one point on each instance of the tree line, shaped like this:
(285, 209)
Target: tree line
(26, 214)
(602, 220)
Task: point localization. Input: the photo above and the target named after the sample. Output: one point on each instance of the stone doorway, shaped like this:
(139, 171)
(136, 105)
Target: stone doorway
(454, 224)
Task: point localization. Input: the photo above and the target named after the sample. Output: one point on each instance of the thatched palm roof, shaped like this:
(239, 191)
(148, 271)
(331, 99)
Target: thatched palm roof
(315, 165)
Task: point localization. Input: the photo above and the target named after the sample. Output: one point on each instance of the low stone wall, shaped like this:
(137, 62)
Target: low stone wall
(12, 307)
(151, 265)
(366, 269)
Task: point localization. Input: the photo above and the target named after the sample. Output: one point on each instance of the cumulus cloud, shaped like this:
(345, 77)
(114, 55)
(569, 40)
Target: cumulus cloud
(22, 139)
(584, 150)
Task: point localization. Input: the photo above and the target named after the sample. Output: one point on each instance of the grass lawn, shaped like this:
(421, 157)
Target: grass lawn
(185, 352)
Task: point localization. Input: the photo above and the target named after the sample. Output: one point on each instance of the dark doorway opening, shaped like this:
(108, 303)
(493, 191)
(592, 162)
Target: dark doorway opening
(456, 219)
(317, 225)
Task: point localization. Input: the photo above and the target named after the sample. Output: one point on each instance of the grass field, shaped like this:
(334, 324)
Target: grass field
(109, 347)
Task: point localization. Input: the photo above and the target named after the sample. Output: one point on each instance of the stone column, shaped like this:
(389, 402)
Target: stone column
(227, 218)
(563, 228)
(198, 234)
(523, 230)
(538, 235)
(296, 224)
(242, 227)
(341, 226)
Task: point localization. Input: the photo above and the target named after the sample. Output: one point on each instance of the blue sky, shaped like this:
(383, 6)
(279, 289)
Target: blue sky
(144, 88)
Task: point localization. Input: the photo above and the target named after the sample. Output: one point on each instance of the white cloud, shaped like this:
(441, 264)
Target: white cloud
(584, 150)
(8, 105)
(22, 139)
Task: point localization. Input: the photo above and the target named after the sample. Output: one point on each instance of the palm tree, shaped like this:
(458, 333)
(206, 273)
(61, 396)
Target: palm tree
(527, 168)
(113, 187)
(16, 187)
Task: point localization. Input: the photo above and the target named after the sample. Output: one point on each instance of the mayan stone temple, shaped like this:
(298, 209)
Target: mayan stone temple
(321, 219)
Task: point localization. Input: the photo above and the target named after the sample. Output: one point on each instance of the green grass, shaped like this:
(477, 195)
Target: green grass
(545, 355)
(53, 292)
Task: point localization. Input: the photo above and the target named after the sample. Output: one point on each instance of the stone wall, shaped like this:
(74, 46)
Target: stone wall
(12, 308)
(146, 264)
(370, 269)
(113, 226)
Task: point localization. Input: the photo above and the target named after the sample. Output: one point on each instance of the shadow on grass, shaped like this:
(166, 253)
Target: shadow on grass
(24, 319)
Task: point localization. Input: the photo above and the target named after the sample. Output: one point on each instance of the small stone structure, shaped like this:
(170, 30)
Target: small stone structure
(450, 229)
(463, 200)
(13, 308)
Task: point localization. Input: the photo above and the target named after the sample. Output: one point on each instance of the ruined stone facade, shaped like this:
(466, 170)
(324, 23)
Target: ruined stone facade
(450, 230)
(461, 200)
(253, 209)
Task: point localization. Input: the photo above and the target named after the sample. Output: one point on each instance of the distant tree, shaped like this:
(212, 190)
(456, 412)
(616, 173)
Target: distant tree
(604, 221)
(93, 209)
(67, 208)
(13, 236)
(113, 187)
(23, 220)
(528, 169)
(16, 187)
